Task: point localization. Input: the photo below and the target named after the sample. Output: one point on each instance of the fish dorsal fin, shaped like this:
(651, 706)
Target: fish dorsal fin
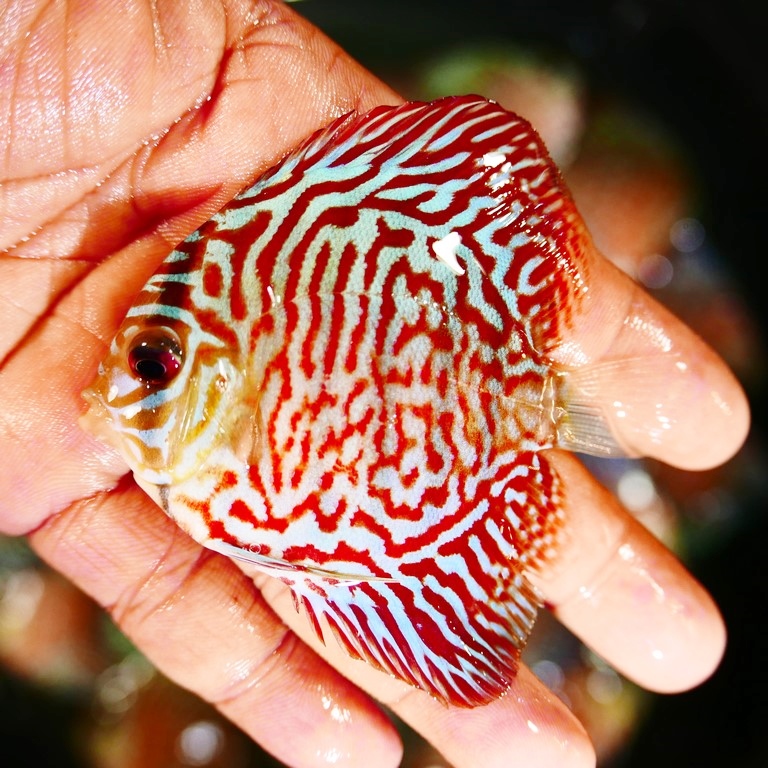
(355, 139)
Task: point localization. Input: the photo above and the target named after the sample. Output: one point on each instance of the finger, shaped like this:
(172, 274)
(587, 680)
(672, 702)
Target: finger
(200, 620)
(529, 725)
(625, 595)
(168, 110)
(666, 393)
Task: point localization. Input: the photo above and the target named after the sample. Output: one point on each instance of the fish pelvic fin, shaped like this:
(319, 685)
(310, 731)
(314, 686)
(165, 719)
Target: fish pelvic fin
(453, 621)
(289, 571)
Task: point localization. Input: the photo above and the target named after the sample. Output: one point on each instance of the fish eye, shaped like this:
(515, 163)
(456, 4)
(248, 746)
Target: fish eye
(155, 356)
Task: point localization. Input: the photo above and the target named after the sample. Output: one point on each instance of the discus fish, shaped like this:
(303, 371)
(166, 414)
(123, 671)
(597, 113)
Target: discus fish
(343, 378)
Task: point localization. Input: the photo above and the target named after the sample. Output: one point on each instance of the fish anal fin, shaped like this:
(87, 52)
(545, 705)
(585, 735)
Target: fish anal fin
(454, 621)
(383, 625)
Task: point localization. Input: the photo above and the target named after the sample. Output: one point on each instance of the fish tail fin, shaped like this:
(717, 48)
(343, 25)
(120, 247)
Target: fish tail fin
(454, 618)
(585, 419)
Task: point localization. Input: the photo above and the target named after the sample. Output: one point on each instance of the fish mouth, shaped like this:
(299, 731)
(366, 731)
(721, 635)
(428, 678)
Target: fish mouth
(96, 420)
(99, 421)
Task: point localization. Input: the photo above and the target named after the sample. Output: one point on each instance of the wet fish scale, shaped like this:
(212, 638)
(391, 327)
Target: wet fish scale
(364, 390)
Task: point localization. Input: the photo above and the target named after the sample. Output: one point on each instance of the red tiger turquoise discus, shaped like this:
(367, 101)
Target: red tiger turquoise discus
(343, 378)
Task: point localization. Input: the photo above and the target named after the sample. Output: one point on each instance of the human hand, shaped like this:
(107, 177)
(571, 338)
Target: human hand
(126, 132)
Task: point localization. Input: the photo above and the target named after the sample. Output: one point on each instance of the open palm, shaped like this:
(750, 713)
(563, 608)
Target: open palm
(123, 131)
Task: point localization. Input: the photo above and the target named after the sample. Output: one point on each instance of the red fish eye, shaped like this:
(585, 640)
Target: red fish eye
(155, 356)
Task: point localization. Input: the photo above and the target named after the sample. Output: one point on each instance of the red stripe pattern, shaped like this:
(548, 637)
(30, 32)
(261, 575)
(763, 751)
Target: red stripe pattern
(365, 391)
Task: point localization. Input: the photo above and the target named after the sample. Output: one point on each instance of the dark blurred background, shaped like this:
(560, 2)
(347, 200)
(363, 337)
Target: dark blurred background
(658, 113)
